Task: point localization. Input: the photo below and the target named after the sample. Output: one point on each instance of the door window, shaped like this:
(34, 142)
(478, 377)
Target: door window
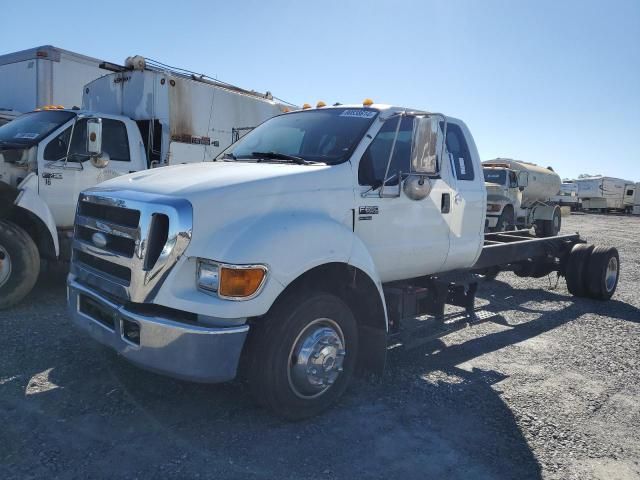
(459, 151)
(373, 163)
(115, 142)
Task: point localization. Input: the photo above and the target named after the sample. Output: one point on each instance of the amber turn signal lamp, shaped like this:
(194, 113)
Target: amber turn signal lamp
(240, 282)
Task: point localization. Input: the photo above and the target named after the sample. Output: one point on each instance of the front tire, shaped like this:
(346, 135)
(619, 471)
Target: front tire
(19, 264)
(302, 354)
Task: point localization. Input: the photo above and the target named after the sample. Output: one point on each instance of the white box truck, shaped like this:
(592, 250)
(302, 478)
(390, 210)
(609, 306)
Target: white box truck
(604, 194)
(134, 120)
(311, 246)
(45, 75)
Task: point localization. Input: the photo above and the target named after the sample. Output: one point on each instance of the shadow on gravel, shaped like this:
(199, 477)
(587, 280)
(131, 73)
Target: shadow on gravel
(71, 408)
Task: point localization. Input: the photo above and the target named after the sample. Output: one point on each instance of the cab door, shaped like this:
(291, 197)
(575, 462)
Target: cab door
(406, 238)
(66, 169)
(468, 206)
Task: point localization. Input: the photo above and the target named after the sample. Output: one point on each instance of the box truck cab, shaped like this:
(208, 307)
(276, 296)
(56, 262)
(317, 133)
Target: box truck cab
(137, 120)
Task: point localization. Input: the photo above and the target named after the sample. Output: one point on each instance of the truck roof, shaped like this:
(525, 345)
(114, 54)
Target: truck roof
(45, 52)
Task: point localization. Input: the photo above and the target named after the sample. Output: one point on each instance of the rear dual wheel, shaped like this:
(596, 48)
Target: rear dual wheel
(593, 271)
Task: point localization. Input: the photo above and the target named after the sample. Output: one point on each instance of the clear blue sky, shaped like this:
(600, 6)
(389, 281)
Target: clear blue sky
(553, 82)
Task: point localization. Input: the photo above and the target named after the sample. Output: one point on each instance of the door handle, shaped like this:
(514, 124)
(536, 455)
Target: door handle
(457, 199)
(445, 203)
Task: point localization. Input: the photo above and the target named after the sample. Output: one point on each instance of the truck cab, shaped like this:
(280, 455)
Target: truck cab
(504, 196)
(318, 213)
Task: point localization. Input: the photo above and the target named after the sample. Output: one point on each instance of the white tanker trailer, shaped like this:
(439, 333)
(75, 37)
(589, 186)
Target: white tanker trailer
(518, 196)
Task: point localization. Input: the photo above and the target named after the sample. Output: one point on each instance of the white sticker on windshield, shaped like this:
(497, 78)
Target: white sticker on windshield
(463, 168)
(359, 113)
(25, 135)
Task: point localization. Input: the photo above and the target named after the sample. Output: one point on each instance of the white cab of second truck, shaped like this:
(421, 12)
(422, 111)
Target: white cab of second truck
(134, 120)
(45, 75)
(519, 196)
(606, 193)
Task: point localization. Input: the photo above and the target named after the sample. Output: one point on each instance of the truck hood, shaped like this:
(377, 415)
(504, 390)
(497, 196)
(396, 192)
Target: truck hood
(191, 181)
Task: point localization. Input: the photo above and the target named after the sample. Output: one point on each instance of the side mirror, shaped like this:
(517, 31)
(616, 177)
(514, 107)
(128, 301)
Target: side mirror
(94, 137)
(523, 179)
(424, 148)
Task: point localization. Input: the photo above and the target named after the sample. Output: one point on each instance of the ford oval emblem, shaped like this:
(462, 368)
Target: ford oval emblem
(99, 239)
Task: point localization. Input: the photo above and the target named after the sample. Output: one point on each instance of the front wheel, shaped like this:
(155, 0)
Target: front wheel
(302, 354)
(19, 264)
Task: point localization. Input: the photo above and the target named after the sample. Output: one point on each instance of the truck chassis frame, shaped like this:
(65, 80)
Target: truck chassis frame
(416, 307)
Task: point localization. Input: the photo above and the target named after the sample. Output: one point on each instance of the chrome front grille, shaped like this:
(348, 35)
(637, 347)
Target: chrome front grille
(125, 242)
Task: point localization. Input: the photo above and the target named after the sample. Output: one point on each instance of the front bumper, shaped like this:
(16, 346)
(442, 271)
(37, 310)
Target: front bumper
(174, 348)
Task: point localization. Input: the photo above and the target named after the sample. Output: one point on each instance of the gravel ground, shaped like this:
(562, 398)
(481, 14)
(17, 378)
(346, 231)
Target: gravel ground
(550, 390)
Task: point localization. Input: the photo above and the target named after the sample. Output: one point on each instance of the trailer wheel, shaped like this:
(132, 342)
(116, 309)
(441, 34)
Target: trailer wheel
(19, 264)
(603, 271)
(302, 354)
(576, 268)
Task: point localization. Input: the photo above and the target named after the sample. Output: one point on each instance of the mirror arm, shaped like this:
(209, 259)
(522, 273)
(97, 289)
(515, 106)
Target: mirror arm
(393, 147)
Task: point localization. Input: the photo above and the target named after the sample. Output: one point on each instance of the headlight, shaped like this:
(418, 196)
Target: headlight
(493, 207)
(232, 282)
(208, 276)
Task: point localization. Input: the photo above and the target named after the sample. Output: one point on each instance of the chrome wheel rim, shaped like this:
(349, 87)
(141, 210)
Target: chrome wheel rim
(611, 275)
(316, 358)
(5, 266)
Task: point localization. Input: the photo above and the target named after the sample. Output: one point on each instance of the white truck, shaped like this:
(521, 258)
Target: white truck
(138, 119)
(45, 75)
(303, 252)
(568, 196)
(605, 194)
(519, 196)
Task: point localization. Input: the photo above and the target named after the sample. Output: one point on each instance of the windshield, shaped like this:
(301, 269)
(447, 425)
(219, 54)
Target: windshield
(327, 136)
(30, 128)
(495, 176)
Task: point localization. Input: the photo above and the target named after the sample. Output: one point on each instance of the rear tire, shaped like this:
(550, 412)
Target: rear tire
(603, 271)
(302, 354)
(19, 264)
(576, 269)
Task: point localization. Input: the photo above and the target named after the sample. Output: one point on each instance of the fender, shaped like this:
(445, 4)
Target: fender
(29, 200)
(289, 243)
(542, 211)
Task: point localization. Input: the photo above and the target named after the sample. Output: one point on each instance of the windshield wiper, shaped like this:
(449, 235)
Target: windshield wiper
(280, 156)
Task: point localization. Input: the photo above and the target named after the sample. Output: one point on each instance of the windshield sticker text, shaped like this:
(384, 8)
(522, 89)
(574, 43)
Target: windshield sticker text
(26, 135)
(358, 113)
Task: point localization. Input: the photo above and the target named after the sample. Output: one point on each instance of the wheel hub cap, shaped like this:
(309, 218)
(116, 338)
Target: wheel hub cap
(5, 266)
(316, 358)
(611, 276)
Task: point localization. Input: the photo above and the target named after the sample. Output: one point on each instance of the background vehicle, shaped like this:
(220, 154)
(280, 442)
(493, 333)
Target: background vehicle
(45, 75)
(6, 115)
(334, 231)
(636, 200)
(568, 196)
(605, 193)
(519, 196)
(48, 157)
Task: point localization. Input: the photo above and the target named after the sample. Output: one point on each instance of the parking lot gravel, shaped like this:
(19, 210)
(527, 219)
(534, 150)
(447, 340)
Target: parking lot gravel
(549, 389)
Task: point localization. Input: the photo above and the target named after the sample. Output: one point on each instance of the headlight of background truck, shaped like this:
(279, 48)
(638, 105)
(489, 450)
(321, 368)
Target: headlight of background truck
(232, 282)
